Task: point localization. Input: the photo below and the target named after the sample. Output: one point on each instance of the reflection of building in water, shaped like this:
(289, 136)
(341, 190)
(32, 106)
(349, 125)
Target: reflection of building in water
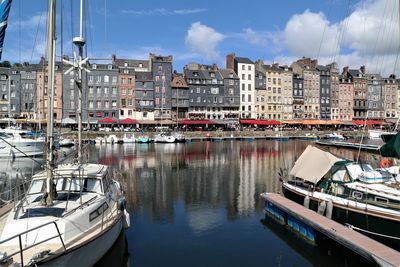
(246, 188)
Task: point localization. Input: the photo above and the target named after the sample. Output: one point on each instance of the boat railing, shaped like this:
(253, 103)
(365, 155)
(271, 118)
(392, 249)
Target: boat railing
(22, 249)
(80, 206)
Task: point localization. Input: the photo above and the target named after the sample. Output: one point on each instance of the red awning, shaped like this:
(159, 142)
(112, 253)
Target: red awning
(260, 122)
(196, 122)
(129, 121)
(368, 122)
(107, 120)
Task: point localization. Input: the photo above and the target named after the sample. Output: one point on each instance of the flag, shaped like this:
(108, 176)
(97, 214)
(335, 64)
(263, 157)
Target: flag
(5, 6)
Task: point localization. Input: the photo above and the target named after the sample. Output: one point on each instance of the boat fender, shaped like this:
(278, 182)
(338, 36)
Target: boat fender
(126, 220)
(306, 202)
(329, 209)
(385, 163)
(321, 207)
(121, 203)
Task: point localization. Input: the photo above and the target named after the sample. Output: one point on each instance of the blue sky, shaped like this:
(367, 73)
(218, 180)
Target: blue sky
(348, 32)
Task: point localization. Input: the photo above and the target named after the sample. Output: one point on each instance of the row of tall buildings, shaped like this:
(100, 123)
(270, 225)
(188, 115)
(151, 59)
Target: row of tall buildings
(244, 89)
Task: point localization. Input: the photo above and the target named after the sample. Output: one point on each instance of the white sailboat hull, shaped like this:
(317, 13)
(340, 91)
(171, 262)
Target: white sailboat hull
(89, 253)
(21, 148)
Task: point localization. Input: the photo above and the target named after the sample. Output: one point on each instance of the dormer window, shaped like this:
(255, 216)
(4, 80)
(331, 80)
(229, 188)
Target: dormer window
(126, 64)
(212, 74)
(230, 75)
(140, 65)
(195, 74)
(109, 67)
(94, 66)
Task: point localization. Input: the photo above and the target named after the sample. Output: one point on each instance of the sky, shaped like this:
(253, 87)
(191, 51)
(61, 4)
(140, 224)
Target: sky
(348, 32)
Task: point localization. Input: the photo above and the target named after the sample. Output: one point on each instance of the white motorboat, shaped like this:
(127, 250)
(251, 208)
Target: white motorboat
(20, 143)
(347, 192)
(179, 137)
(164, 138)
(66, 142)
(333, 137)
(112, 139)
(128, 138)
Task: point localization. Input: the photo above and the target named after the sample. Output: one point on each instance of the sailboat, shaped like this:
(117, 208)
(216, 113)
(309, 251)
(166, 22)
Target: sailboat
(72, 213)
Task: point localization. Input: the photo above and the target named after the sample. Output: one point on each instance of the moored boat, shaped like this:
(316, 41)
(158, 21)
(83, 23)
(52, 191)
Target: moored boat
(348, 192)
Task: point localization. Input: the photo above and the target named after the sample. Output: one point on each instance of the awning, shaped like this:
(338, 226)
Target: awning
(260, 122)
(107, 120)
(128, 121)
(196, 122)
(313, 164)
(293, 121)
(368, 122)
(68, 121)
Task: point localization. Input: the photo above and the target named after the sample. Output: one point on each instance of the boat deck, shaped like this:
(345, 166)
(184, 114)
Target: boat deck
(55, 247)
(360, 244)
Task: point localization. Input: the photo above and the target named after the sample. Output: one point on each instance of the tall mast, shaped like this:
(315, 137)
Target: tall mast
(51, 39)
(80, 42)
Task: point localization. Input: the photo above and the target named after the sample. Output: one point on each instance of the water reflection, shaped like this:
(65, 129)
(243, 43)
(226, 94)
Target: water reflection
(200, 196)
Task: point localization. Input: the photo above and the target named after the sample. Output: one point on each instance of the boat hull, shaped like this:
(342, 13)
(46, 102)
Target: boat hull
(21, 149)
(358, 218)
(90, 252)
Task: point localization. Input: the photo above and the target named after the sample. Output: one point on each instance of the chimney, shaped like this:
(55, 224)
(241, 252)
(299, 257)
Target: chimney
(345, 70)
(362, 69)
(230, 59)
(113, 58)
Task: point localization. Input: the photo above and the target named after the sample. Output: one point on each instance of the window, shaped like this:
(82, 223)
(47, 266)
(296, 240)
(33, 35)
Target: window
(198, 90)
(98, 104)
(91, 90)
(98, 79)
(114, 90)
(231, 82)
(114, 103)
(114, 79)
(90, 104)
(106, 104)
(123, 91)
(214, 90)
(243, 76)
(249, 98)
(249, 67)
(243, 98)
(243, 86)
(106, 91)
(249, 76)
(106, 78)
(98, 89)
(123, 102)
(249, 87)
(129, 91)
(243, 67)
(130, 102)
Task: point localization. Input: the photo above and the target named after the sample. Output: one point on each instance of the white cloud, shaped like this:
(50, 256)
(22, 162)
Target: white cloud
(203, 40)
(311, 34)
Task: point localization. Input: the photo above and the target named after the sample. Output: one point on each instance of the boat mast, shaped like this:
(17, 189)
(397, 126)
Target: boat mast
(51, 39)
(80, 42)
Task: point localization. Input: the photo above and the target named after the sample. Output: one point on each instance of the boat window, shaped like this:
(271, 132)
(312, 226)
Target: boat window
(381, 200)
(357, 195)
(339, 175)
(39, 212)
(96, 213)
(37, 186)
(92, 185)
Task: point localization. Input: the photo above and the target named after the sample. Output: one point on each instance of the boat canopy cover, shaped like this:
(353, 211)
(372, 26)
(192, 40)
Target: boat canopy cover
(391, 148)
(313, 164)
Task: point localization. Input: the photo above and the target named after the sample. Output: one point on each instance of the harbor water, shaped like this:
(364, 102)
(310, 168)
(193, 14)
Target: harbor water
(198, 204)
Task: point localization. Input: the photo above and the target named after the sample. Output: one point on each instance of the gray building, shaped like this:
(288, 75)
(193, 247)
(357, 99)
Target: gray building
(180, 97)
(28, 90)
(161, 68)
(144, 93)
(4, 92)
(298, 96)
(324, 92)
(102, 91)
(206, 91)
(374, 96)
(231, 89)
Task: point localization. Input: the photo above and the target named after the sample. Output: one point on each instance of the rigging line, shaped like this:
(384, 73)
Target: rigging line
(385, 35)
(19, 30)
(391, 36)
(379, 38)
(323, 33)
(341, 33)
(398, 39)
(36, 35)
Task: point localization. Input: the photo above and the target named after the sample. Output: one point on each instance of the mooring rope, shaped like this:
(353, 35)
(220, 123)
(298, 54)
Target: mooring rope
(372, 233)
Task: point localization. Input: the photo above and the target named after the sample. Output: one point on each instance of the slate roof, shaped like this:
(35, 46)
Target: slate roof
(244, 60)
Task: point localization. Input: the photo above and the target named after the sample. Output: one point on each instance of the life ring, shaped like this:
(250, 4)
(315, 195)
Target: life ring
(385, 163)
